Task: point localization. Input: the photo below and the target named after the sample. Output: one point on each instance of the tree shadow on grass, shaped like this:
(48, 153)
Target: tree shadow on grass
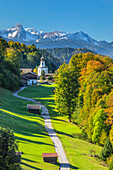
(73, 167)
(29, 160)
(63, 133)
(31, 141)
(65, 165)
(33, 167)
(21, 125)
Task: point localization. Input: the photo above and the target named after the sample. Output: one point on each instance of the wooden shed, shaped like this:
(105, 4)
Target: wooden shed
(50, 157)
(34, 108)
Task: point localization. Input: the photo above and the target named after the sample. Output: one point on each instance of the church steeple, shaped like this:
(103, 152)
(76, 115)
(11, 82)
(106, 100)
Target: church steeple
(42, 62)
(42, 66)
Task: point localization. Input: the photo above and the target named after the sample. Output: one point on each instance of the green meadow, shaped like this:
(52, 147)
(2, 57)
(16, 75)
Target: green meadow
(29, 130)
(77, 149)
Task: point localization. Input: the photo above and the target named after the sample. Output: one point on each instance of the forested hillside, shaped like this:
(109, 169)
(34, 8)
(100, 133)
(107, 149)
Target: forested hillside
(65, 54)
(9, 66)
(84, 91)
(29, 56)
(14, 55)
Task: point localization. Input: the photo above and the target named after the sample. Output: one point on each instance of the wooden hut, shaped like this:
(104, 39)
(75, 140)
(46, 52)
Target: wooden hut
(50, 157)
(33, 108)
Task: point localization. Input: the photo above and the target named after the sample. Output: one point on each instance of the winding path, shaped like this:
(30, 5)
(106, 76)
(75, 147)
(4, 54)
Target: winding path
(64, 164)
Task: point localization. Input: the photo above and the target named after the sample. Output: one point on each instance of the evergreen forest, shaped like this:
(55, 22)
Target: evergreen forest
(66, 53)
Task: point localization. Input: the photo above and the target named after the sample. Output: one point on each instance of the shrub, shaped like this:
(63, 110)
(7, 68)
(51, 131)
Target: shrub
(106, 151)
(42, 77)
(111, 165)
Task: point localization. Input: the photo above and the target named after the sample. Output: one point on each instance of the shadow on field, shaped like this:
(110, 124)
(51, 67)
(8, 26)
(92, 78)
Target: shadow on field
(30, 166)
(31, 141)
(73, 167)
(63, 165)
(21, 124)
(28, 160)
(63, 133)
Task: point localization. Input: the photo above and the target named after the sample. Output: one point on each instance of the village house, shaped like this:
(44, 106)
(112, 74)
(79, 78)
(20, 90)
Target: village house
(29, 78)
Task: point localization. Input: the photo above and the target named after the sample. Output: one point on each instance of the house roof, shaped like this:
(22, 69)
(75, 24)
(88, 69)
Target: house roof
(25, 78)
(49, 74)
(32, 73)
(30, 106)
(49, 155)
(26, 70)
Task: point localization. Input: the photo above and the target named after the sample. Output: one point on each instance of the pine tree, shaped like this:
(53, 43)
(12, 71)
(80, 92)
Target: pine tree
(107, 150)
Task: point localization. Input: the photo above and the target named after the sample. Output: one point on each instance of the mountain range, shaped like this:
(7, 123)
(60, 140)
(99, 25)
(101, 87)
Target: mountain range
(56, 39)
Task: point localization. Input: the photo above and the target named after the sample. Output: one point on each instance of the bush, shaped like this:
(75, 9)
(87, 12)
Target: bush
(106, 151)
(111, 165)
(42, 77)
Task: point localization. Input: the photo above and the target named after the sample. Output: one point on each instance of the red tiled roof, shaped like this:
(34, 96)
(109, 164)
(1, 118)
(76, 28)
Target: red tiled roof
(49, 155)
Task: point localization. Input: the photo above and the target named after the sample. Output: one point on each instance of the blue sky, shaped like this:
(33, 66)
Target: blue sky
(95, 17)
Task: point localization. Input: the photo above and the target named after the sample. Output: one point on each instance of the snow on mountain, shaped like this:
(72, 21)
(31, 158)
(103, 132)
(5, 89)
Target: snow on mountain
(55, 36)
(81, 36)
(17, 32)
(33, 31)
(56, 39)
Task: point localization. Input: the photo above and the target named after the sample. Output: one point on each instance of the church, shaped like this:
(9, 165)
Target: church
(28, 77)
(42, 67)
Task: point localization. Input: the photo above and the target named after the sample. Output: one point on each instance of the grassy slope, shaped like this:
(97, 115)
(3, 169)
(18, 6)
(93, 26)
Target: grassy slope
(66, 131)
(29, 130)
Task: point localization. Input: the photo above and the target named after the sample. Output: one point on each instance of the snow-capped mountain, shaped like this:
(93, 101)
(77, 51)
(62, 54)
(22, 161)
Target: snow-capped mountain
(33, 31)
(56, 39)
(17, 33)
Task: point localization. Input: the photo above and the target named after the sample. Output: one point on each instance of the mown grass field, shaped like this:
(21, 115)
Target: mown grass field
(32, 138)
(77, 150)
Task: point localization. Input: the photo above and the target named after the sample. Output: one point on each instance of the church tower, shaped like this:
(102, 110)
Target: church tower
(42, 66)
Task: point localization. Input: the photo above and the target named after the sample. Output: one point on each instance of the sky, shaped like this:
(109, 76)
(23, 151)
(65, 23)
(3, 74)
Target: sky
(94, 17)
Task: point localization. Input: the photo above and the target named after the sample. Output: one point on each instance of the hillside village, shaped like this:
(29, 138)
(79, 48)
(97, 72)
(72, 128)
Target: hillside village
(29, 77)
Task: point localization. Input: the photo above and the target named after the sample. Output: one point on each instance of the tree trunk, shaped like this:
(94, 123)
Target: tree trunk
(69, 116)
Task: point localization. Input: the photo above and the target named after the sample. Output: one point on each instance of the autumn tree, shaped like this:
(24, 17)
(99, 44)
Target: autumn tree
(66, 90)
(36, 70)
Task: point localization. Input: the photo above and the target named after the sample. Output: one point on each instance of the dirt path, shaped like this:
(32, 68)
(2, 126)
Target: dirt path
(64, 164)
